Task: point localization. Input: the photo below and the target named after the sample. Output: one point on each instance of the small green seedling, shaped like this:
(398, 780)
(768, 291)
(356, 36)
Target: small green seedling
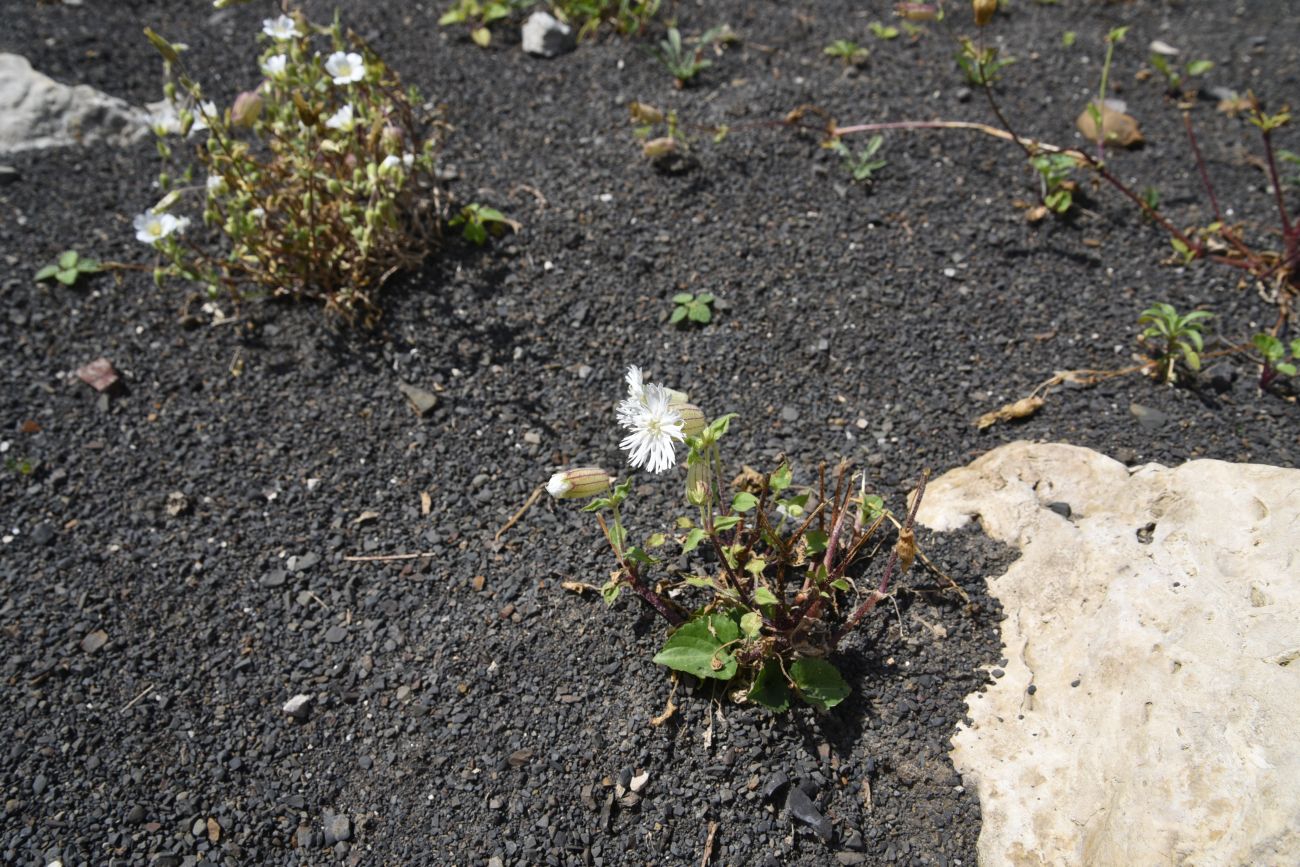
(1279, 359)
(1054, 176)
(68, 268)
(1068, 38)
(1175, 336)
(692, 308)
(851, 53)
(863, 164)
(1174, 75)
(682, 62)
(883, 31)
(479, 16)
(476, 222)
(981, 64)
(21, 466)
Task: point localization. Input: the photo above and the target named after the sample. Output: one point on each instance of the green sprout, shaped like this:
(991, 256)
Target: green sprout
(883, 31)
(692, 308)
(1174, 336)
(981, 63)
(682, 62)
(863, 164)
(851, 53)
(1278, 361)
(476, 222)
(1174, 75)
(1054, 175)
(69, 268)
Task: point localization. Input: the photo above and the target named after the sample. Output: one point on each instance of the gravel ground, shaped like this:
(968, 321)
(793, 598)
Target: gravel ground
(174, 568)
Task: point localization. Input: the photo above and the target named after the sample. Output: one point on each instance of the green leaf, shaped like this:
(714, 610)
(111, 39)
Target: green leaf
(482, 36)
(697, 648)
(705, 298)
(743, 502)
(1067, 38)
(88, 266)
(453, 16)
(679, 313)
(770, 689)
(67, 277)
(68, 259)
(475, 233)
(1286, 368)
(610, 592)
(818, 682)
(683, 298)
(763, 596)
(751, 623)
(840, 584)
(699, 313)
(1199, 67)
(721, 424)
(693, 540)
(699, 581)
(726, 522)
(656, 540)
(816, 541)
(755, 566)
(47, 272)
(781, 479)
(636, 555)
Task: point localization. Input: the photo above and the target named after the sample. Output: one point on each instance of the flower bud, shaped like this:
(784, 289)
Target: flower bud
(677, 399)
(247, 108)
(578, 483)
(984, 10)
(697, 482)
(693, 421)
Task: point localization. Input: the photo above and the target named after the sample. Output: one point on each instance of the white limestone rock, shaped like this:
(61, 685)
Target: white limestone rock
(545, 36)
(1159, 626)
(38, 112)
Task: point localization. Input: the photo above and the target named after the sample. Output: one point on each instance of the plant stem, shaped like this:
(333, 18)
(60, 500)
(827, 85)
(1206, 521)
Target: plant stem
(879, 593)
(1200, 166)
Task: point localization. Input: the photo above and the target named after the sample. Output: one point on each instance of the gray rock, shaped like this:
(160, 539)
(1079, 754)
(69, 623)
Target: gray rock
(1150, 420)
(801, 807)
(298, 563)
(298, 706)
(544, 36)
(337, 829)
(37, 112)
(9, 175)
(423, 402)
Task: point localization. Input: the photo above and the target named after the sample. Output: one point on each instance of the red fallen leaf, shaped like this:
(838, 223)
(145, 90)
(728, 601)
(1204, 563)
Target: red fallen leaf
(98, 374)
(30, 427)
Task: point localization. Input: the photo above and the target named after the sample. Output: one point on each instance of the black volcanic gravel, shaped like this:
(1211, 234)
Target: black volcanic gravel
(462, 708)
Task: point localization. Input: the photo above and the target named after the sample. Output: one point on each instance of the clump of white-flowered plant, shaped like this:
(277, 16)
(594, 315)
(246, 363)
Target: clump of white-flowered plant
(320, 176)
(784, 571)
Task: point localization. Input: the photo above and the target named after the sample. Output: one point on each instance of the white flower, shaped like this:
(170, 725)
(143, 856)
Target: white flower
(345, 67)
(408, 160)
(392, 161)
(205, 111)
(654, 426)
(274, 66)
(342, 119)
(216, 185)
(635, 400)
(257, 213)
(151, 228)
(280, 28)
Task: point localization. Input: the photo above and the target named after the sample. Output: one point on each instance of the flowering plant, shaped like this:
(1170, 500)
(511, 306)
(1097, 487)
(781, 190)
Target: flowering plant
(321, 177)
(783, 568)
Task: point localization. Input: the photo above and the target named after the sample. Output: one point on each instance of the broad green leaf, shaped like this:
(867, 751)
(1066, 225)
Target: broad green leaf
(88, 266)
(743, 502)
(818, 682)
(755, 566)
(656, 540)
(1199, 67)
(636, 555)
(617, 536)
(454, 16)
(683, 298)
(816, 541)
(705, 298)
(751, 623)
(474, 232)
(726, 522)
(47, 272)
(781, 478)
(699, 313)
(684, 523)
(68, 259)
(700, 581)
(482, 36)
(67, 277)
(721, 424)
(770, 689)
(679, 313)
(697, 648)
(1285, 367)
(693, 540)
(763, 596)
